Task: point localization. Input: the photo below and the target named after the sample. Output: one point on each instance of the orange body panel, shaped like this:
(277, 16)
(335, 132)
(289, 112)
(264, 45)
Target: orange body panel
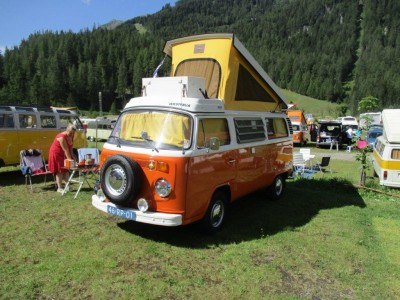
(195, 179)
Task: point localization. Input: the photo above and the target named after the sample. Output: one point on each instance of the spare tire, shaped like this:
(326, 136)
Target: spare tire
(120, 179)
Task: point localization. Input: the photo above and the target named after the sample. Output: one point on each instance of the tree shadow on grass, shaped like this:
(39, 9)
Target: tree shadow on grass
(254, 216)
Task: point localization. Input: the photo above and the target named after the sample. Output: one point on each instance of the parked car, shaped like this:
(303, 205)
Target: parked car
(373, 133)
(329, 131)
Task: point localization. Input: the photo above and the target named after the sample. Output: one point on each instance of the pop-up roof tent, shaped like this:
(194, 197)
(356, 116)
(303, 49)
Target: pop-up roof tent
(230, 72)
(391, 125)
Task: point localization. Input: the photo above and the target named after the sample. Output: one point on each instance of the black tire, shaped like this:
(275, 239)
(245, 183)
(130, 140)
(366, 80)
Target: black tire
(276, 190)
(216, 213)
(120, 179)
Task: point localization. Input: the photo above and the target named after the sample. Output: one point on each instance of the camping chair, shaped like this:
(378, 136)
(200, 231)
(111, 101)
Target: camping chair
(299, 166)
(32, 164)
(324, 164)
(307, 155)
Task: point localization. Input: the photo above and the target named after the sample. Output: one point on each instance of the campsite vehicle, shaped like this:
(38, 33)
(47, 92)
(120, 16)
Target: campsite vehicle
(370, 119)
(198, 140)
(23, 127)
(301, 134)
(99, 130)
(329, 131)
(373, 133)
(348, 121)
(386, 154)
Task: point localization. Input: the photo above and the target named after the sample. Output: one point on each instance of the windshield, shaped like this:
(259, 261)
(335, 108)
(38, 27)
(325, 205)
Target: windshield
(296, 127)
(153, 129)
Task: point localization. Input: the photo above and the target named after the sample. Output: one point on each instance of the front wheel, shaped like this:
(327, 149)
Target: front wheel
(275, 191)
(216, 213)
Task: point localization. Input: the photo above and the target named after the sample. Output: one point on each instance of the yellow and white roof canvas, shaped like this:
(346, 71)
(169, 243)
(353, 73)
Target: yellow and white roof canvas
(230, 71)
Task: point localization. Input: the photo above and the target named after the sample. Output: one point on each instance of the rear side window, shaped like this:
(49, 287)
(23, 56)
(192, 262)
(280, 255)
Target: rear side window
(249, 130)
(27, 121)
(48, 121)
(396, 154)
(6, 121)
(276, 128)
(209, 128)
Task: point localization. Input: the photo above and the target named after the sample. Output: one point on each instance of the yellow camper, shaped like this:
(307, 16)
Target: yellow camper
(23, 127)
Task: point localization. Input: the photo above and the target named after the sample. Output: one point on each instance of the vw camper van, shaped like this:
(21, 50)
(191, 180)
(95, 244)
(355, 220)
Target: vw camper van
(23, 127)
(386, 153)
(198, 140)
(301, 135)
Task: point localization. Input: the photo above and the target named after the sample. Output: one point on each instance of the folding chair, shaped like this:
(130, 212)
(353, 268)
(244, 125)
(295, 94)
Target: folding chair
(299, 166)
(32, 164)
(324, 164)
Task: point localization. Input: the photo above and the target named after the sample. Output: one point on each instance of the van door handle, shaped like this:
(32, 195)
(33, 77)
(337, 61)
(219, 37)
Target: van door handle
(231, 161)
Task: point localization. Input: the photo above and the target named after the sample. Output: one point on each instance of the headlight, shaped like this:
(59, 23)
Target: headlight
(163, 188)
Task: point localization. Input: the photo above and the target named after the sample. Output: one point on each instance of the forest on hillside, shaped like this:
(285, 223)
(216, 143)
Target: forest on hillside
(336, 50)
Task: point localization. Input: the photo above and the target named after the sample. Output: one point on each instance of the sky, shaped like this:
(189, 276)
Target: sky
(20, 18)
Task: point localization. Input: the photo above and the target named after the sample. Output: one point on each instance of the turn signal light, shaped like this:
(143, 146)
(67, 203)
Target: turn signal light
(163, 167)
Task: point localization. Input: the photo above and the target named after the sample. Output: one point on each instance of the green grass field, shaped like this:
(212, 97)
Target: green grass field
(318, 108)
(325, 239)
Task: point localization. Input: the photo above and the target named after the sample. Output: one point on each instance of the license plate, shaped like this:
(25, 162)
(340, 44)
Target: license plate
(122, 213)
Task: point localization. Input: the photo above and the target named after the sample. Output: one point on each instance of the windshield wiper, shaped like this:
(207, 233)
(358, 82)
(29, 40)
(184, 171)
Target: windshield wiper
(144, 136)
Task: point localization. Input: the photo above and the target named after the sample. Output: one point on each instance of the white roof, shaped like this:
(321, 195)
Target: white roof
(391, 125)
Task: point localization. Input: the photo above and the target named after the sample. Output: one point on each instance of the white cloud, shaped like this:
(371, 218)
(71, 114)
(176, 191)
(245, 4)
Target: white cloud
(87, 2)
(2, 49)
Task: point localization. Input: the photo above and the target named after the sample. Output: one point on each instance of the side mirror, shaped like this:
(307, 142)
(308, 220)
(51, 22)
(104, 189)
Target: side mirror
(214, 143)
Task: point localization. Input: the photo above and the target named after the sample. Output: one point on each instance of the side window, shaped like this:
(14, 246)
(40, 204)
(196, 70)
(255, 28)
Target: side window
(6, 121)
(209, 128)
(276, 128)
(48, 122)
(249, 130)
(396, 154)
(27, 121)
(65, 120)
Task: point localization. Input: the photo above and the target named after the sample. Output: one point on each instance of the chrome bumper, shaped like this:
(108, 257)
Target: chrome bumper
(148, 217)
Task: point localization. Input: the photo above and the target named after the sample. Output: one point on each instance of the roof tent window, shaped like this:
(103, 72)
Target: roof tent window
(249, 130)
(248, 88)
(205, 68)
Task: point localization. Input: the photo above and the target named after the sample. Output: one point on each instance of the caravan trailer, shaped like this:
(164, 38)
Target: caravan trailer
(386, 154)
(197, 141)
(99, 129)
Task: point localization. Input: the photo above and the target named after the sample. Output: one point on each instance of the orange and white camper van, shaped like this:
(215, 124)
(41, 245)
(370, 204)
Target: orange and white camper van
(196, 141)
(301, 136)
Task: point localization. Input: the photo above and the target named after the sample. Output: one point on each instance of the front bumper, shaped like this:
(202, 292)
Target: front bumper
(148, 217)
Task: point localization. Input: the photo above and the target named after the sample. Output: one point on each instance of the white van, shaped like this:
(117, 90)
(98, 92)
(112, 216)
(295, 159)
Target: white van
(197, 141)
(23, 127)
(99, 129)
(386, 154)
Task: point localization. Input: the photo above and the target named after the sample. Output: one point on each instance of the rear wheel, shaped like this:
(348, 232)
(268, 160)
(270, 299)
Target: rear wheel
(275, 191)
(216, 213)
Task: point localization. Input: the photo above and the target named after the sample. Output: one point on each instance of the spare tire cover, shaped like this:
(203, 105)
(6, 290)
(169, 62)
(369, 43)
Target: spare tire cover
(120, 179)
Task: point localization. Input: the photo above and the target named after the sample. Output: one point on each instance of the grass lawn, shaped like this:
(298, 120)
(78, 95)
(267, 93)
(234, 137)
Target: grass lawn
(324, 240)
